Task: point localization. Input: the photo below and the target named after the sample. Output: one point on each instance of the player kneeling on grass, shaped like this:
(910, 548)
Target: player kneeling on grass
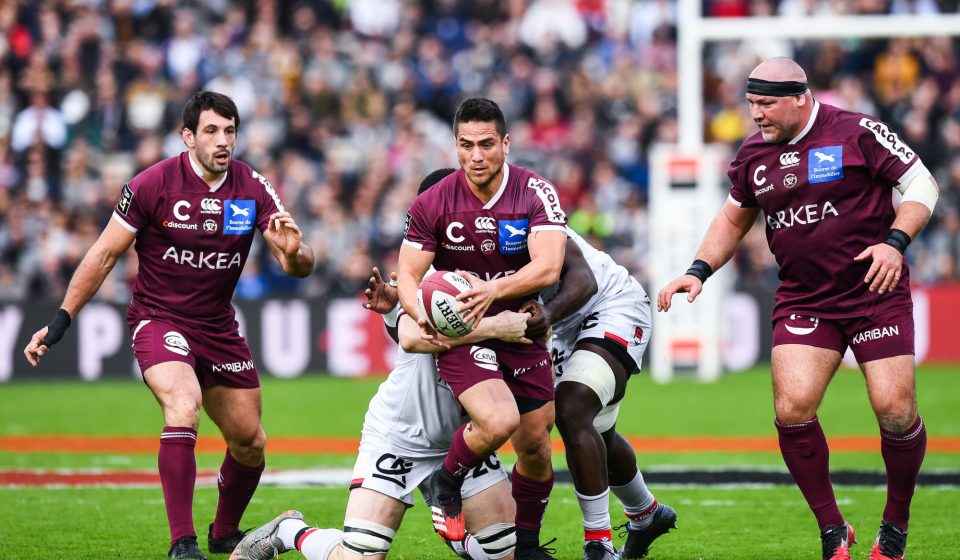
(601, 322)
(406, 434)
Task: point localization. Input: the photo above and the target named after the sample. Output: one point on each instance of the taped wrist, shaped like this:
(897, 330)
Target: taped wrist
(898, 239)
(57, 327)
(700, 270)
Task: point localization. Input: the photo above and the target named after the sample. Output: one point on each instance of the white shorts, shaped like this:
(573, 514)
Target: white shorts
(623, 318)
(383, 468)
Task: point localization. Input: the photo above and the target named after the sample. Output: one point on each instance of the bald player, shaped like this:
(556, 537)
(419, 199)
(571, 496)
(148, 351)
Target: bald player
(824, 179)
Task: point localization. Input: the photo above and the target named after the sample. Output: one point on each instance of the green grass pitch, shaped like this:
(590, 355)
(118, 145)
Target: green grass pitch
(715, 523)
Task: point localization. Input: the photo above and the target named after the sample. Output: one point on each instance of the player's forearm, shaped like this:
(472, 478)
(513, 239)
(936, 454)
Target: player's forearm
(299, 264)
(407, 286)
(721, 241)
(538, 274)
(87, 279)
(410, 340)
(911, 218)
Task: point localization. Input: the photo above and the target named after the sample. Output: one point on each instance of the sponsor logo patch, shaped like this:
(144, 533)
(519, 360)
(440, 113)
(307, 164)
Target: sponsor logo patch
(801, 325)
(239, 216)
(876, 334)
(176, 343)
(126, 197)
(889, 140)
(825, 164)
(549, 198)
(485, 224)
(789, 159)
(179, 210)
(513, 236)
(210, 206)
(488, 246)
(790, 180)
(210, 226)
(453, 232)
(484, 358)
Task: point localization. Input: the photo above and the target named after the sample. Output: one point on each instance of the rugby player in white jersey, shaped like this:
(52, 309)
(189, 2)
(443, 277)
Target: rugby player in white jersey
(406, 434)
(601, 320)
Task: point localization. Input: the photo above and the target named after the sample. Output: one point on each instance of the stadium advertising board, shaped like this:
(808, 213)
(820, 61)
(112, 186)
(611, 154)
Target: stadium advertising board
(290, 337)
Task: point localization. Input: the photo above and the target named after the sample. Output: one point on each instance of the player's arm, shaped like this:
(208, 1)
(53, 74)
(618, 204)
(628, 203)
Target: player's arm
(718, 245)
(577, 286)
(285, 241)
(89, 276)
(508, 326)
(546, 249)
(412, 265)
(920, 195)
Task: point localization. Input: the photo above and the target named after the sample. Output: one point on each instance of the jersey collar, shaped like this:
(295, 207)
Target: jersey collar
(810, 121)
(199, 172)
(503, 186)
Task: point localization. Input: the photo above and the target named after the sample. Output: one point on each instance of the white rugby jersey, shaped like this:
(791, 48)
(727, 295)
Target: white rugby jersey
(611, 280)
(414, 410)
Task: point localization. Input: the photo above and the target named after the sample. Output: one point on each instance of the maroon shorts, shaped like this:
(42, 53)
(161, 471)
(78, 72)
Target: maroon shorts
(883, 335)
(219, 357)
(526, 368)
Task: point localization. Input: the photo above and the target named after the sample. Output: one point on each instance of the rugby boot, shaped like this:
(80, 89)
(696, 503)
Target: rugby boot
(263, 543)
(891, 543)
(224, 545)
(186, 547)
(447, 507)
(541, 552)
(837, 540)
(638, 541)
(599, 550)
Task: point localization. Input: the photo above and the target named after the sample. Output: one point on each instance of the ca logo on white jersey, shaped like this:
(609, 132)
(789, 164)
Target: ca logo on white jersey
(210, 206)
(178, 214)
(456, 238)
(176, 343)
(485, 223)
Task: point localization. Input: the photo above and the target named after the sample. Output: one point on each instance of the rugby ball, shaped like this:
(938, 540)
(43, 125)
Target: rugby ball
(437, 301)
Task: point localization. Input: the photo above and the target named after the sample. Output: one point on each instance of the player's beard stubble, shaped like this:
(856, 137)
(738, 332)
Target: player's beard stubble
(216, 161)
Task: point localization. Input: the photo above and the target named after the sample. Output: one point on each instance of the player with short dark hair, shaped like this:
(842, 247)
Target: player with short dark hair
(824, 179)
(503, 224)
(193, 217)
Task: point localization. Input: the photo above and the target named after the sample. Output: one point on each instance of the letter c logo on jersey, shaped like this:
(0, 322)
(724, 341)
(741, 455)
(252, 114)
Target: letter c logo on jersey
(178, 214)
(451, 235)
(759, 179)
(789, 159)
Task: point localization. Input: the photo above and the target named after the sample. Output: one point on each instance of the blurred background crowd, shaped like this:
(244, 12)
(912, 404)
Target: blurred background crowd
(346, 104)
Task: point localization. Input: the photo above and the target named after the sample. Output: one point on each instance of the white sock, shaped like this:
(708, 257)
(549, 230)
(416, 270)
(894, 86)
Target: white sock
(596, 512)
(317, 544)
(287, 532)
(636, 499)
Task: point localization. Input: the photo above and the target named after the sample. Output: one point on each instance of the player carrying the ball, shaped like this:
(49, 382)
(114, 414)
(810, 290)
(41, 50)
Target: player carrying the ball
(503, 228)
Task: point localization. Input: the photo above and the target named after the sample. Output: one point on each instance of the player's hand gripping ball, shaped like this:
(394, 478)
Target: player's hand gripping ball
(437, 301)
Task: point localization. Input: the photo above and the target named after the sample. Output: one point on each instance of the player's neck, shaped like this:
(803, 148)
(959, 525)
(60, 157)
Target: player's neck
(487, 191)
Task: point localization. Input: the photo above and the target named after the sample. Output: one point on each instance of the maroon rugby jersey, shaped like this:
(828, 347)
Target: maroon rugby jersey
(826, 195)
(488, 240)
(192, 240)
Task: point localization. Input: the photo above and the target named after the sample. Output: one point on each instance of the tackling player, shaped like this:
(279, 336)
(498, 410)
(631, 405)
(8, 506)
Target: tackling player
(600, 317)
(193, 217)
(824, 179)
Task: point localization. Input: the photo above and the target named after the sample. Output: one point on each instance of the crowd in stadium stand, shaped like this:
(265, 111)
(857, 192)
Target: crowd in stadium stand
(346, 104)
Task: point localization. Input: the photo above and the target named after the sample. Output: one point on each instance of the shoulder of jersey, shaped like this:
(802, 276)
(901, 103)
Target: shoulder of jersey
(154, 174)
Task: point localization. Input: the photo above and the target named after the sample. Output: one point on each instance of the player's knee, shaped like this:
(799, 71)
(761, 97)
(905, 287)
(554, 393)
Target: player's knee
(497, 540)
(366, 537)
(183, 412)
(534, 451)
(897, 417)
(588, 384)
(249, 447)
(794, 411)
(498, 426)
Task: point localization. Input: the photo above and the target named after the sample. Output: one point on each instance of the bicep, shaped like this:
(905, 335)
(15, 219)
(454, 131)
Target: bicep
(548, 244)
(739, 218)
(413, 261)
(115, 239)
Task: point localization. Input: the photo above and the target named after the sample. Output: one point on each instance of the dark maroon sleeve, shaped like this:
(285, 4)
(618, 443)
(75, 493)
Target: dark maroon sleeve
(420, 226)
(137, 199)
(740, 191)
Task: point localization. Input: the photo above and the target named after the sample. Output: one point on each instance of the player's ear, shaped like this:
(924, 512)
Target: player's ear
(188, 137)
(506, 145)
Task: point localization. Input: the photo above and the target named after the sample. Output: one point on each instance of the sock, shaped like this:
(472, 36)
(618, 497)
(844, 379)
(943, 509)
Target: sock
(804, 449)
(460, 459)
(902, 455)
(237, 483)
(317, 544)
(287, 532)
(638, 503)
(596, 516)
(531, 497)
(177, 464)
